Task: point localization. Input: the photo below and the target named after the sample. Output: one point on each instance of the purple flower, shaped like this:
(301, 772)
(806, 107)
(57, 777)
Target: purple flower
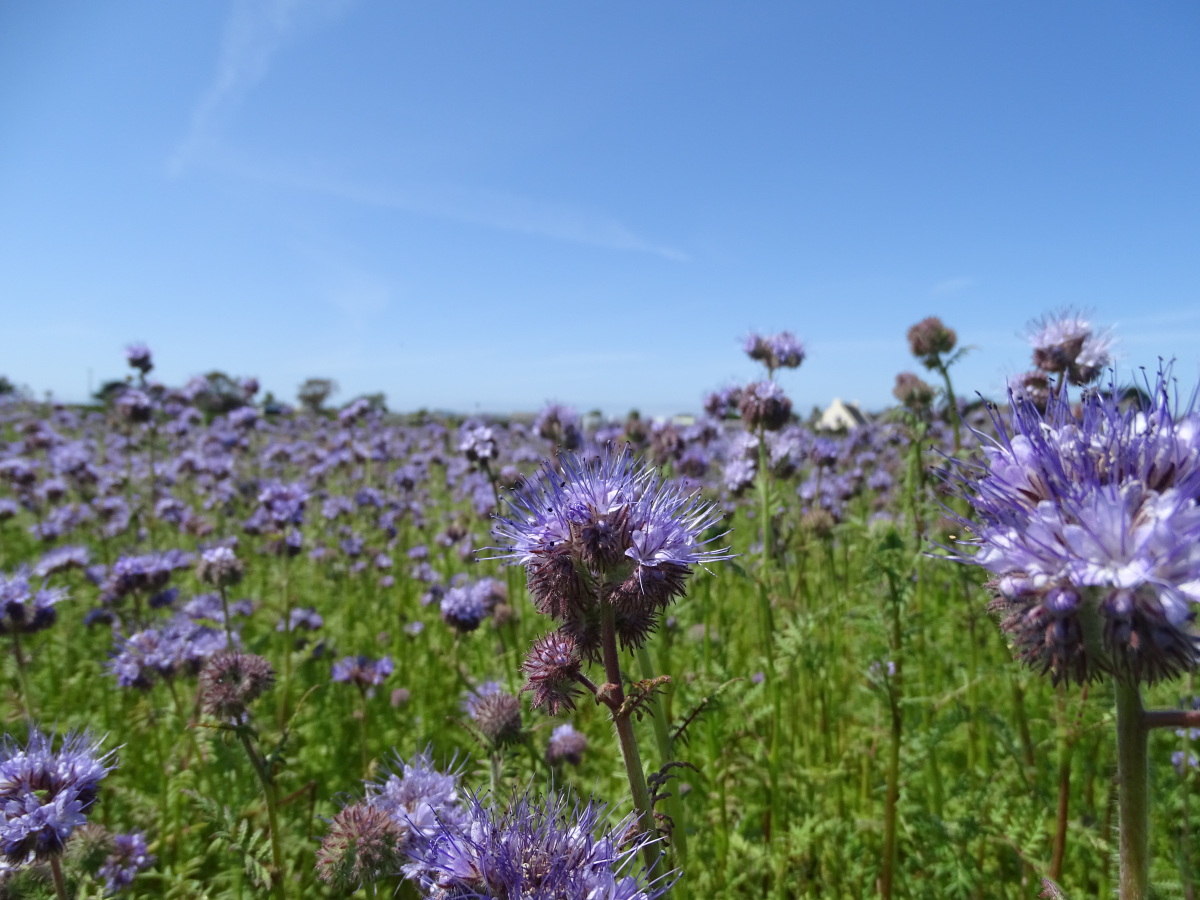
(130, 856)
(540, 850)
(24, 610)
(559, 425)
(306, 619)
(1066, 343)
(566, 745)
(606, 530)
(138, 356)
(44, 795)
(764, 404)
(60, 559)
(419, 797)
(362, 670)
(180, 647)
(1091, 530)
(775, 351)
(463, 609)
(477, 443)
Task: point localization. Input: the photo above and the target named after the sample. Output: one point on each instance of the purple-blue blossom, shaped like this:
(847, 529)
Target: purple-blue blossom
(45, 794)
(1090, 527)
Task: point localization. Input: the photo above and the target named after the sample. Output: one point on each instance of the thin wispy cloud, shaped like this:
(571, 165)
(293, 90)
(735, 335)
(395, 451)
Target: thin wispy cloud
(950, 286)
(482, 207)
(255, 30)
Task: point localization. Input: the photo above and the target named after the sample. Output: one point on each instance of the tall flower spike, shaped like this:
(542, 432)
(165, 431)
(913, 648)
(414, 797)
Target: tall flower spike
(1091, 530)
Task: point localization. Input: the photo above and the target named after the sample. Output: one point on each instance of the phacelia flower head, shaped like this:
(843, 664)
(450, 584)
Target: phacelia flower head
(606, 530)
(913, 392)
(363, 844)
(363, 671)
(419, 797)
(764, 404)
(775, 351)
(138, 356)
(495, 712)
(1090, 527)
(44, 795)
(219, 567)
(130, 855)
(232, 681)
(25, 609)
(929, 340)
(1065, 343)
(560, 425)
(566, 745)
(549, 849)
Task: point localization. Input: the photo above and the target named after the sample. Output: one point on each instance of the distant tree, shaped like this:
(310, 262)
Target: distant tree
(222, 394)
(314, 392)
(377, 401)
(110, 390)
(6, 386)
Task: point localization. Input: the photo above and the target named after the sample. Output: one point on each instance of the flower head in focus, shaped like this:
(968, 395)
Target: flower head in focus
(45, 794)
(1090, 527)
(606, 534)
(537, 850)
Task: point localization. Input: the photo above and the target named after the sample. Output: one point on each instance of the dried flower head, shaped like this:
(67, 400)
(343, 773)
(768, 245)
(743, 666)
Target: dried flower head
(552, 668)
(914, 393)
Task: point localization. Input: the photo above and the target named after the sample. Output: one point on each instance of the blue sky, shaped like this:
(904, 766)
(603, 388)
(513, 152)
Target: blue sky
(485, 206)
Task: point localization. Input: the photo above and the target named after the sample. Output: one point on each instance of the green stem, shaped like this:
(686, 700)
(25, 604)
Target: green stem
(625, 736)
(895, 694)
(1133, 773)
(22, 677)
(666, 754)
(268, 787)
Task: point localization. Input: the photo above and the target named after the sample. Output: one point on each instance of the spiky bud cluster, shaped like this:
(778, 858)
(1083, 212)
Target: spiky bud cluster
(551, 670)
(363, 844)
(498, 717)
(231, 681)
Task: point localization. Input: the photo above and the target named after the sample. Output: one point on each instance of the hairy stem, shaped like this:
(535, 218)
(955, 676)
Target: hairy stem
(1133, 772)
(625, 736)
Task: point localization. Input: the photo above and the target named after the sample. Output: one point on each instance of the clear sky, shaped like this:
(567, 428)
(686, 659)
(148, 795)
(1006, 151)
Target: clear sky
(488, 205)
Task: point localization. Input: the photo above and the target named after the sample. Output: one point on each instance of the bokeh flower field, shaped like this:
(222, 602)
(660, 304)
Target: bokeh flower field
(257, 650)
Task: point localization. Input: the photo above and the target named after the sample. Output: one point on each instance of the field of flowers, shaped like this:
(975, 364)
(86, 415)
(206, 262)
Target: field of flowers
(253, 650)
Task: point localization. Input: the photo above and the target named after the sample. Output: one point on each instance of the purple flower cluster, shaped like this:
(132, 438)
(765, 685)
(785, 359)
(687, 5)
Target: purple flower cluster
(1066, 344)
(363, 671)
(179, 647)
(44, 794)
(24, 609)
(537, 850)
(464, 607)
(1091, 528)
(775, 351)
(604, 537)
(130, 855)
